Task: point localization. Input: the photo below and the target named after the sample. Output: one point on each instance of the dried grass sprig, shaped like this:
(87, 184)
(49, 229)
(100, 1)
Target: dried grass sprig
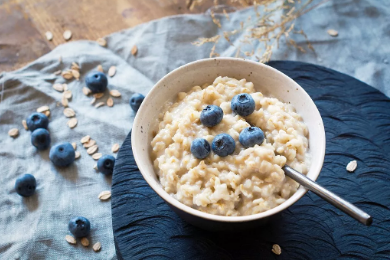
(263, 29)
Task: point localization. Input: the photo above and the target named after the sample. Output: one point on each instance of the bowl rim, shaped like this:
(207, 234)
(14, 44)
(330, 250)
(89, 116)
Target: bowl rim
(228, 219)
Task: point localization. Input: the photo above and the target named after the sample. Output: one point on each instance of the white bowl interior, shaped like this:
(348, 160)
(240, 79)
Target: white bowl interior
(266, 79)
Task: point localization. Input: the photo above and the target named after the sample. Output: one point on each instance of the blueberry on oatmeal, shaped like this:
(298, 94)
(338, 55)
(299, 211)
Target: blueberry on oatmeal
(200, 148)
(25, 185)
(243, 104)
(62, 154)
(251, 136)
(96, 81)
(79, 226)
(40, 138)
(37, 120)
(211, 115)
(223, 145)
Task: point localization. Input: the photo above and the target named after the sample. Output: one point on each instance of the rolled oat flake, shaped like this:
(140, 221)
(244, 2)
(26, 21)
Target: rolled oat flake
(96, 247)
(352, 165)
(276, 249)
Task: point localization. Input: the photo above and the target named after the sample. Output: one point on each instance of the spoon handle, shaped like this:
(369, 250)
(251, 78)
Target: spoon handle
(332, 198)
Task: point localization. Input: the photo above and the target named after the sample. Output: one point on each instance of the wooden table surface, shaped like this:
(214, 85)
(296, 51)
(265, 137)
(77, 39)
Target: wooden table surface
(23, 23)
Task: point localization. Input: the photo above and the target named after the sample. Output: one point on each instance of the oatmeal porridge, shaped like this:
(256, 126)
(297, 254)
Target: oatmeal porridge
(248, 181)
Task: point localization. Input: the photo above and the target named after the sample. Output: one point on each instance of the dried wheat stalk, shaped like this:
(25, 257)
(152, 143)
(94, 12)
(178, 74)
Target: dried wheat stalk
(261, 29)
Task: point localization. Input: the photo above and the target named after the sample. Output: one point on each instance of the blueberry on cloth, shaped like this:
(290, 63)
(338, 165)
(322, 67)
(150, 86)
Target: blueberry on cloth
(40, 138)
(223, 145)
(62, 154)
(79, 226)
(106, 164)
(37, 120)
(243, 104)
(96, 81)
(25, 185)
(200, 148)
(136, 100)
(211, 115)
(251, 136)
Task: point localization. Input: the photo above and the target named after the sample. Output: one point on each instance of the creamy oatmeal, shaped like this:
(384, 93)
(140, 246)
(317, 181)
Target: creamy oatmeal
(249, 181)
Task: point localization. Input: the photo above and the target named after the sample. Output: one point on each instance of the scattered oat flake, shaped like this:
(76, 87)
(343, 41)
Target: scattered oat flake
(352, 166)
(43, 108)
(333, 32)
(95, 167)
(98, 95)
(97, 156)
(92, 149)
(49, 36)
(47, 113)
(112, 71)
(70, 239)
(64, 102)
(104, 195)
(68, 94)
(72, 123)
(58, 87)
(115, 147)
(100, 68)
(134, 50)
(86, 91)
(93, 100)
(101, 42)
(74, 145)
(115, 93)
(110, 102)
(67, 35)
(67, 75)
(84, 241)
(69, 113)
(276, 249)
(96, 247)
(76, 74)
(89, 144)
(57, 72)
(65, 86)
(24, 123)
(85, 139)
(75, 66)
(13, 132)
(77, 154)
(99, 104)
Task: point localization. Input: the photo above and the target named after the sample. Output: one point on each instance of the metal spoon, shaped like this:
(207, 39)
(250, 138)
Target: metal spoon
(332, 198)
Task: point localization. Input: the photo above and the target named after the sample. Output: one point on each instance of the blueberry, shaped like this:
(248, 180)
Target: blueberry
(79, 226)
(136, 100)
(243, 104)
(40, 138)
(200, 148)
(62, 154)
(106, 164)
(251, 136)
(96, 82)
(25, 185)
(223, 145)
(37, 120)
(211, 115)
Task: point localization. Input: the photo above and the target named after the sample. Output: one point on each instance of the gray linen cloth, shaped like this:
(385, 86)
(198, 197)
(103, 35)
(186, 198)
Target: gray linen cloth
(35, 228)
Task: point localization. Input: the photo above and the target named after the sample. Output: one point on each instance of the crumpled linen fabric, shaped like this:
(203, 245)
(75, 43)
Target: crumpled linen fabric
(35, 227)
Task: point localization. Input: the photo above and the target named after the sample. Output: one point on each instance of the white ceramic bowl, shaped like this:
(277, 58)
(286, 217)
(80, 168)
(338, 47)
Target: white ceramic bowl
(267, 80)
